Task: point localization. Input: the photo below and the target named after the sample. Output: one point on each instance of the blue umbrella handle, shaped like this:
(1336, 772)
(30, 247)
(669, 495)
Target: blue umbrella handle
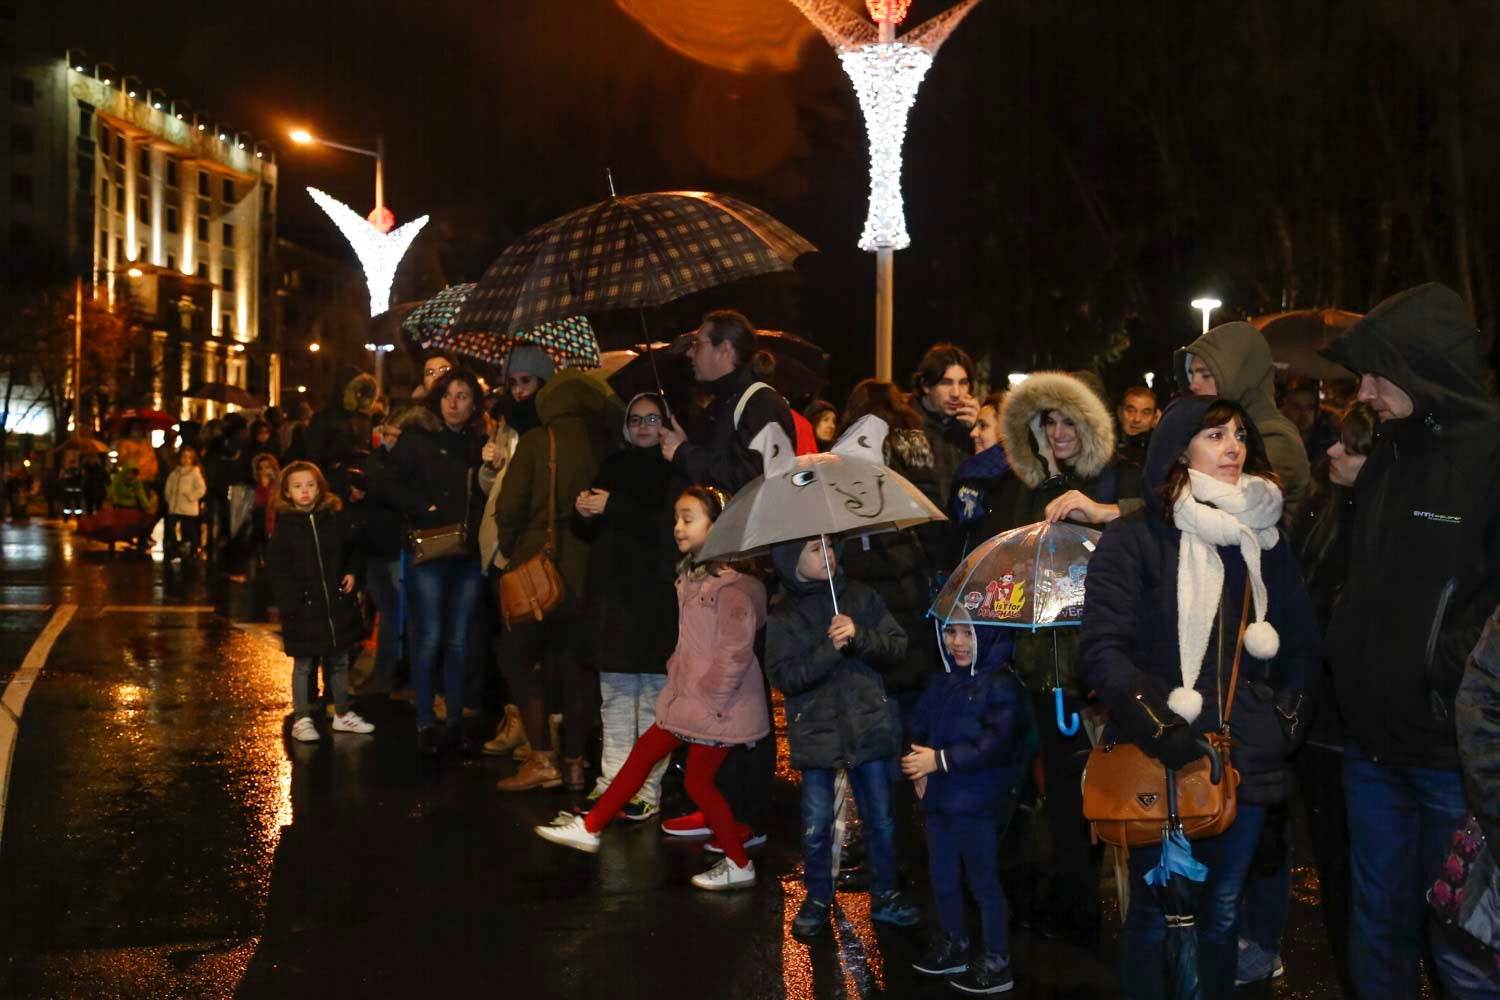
(1066, 726)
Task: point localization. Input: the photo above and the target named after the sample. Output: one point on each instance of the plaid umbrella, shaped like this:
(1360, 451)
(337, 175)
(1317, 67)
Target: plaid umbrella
(625, 253)
(570, 341)
(437, 314)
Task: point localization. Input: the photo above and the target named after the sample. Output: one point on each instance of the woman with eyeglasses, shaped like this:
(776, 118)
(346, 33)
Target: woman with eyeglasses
(628, 515)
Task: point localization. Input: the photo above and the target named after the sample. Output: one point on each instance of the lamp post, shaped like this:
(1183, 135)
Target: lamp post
(380, 351)
(1206, 306)
(380, 218)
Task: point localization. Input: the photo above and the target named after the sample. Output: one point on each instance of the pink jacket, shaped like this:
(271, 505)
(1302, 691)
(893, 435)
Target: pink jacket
(715, 691)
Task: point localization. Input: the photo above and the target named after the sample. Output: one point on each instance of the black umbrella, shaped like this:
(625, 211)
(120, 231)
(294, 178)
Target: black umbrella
(1175, 882)
(222, 392)
(793, 377)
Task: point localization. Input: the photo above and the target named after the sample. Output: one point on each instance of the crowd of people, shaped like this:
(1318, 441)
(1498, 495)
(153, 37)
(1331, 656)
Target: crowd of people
(1305, 568)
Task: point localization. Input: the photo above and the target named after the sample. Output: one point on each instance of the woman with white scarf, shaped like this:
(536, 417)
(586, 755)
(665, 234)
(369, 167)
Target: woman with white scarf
(1166, 591)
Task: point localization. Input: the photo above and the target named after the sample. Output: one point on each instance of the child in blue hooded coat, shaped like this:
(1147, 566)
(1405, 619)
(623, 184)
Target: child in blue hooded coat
(973, 741)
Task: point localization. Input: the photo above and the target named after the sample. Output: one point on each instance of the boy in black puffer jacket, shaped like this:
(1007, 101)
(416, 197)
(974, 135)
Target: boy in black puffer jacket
(827, 659)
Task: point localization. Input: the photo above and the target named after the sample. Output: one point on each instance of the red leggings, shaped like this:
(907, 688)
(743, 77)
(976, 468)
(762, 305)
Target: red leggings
(702, 764)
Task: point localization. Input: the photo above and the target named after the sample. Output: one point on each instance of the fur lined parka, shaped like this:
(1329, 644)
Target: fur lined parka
(309, 555)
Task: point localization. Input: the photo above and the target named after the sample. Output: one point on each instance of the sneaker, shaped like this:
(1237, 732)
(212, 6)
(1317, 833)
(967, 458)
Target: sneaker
(350, 722)
(583, 808)
(1256, 964)
(569, 831)
(945, 956)
(304, 731)
(811, 919)
(750, 837)
(638, 810)
(894, 908)
(988, 973)
(692, 825)
(726, 876)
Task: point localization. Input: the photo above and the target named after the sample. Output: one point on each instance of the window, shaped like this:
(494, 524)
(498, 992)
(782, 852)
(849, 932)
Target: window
(226, 323)
(104, 192)
(119, 199)
(22, 92)
(203, 230)
(120, 148)
(20, 187)
(202, 271)
(86, 122)
(21, 139)
(171, 172)
(143, 209)
(119, 249)
(228, 191)
(205, 210)
(171, 262)
(173, 222)
(203, 183)
(226, 280)
(228, 235)
(143, 162)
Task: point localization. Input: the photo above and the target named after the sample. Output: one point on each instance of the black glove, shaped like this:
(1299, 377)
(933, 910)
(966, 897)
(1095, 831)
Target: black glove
(1178, 747)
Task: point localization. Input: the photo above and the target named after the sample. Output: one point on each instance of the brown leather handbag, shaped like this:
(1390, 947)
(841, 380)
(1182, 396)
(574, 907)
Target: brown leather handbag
(531, 590)
(444, 541)
(1125, 789)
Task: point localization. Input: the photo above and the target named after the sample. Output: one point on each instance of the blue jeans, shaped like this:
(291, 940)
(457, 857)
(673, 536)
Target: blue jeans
(870, 783)
(443, 595)
(1401, 821)
(1143, 939)
(1266, 900)
(966, 848)
(383, 581)
(305, 683)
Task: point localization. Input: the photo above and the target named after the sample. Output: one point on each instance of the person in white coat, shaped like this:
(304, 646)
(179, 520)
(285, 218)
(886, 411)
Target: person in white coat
(184, 494)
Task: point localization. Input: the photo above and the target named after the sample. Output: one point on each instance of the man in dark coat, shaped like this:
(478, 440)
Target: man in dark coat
(1424, 574)
(943, 393)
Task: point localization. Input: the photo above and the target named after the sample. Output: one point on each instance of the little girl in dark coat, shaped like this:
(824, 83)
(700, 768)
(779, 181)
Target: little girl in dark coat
(314, 559)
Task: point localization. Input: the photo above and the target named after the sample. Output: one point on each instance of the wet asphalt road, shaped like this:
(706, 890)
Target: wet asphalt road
(162, 838)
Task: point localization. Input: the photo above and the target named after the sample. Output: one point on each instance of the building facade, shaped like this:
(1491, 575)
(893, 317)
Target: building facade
(166, 215)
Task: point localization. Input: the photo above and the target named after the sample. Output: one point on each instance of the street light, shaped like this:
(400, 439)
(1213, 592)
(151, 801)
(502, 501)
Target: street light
(380, 351)
(379, 218)
(315, 347)
(1206, 306)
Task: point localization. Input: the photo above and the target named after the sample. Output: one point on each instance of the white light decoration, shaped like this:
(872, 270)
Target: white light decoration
(379, 253)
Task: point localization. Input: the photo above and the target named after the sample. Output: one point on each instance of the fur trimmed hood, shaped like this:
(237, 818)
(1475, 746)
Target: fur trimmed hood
(910, 448)
(327, 504)
(415, 415)
(1025, 442)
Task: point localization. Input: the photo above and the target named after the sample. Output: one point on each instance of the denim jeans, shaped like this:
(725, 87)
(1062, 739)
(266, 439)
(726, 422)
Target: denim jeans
(443, 597)
(305, 683)
(871, 784)
(627, 709)
(1143, 939)
(971, 844)
(1266, 899)
(383, 581)
(1401, 821)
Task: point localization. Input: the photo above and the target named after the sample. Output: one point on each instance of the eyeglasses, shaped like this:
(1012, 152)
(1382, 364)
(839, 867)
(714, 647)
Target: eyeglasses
(650, 420)
(435, 372)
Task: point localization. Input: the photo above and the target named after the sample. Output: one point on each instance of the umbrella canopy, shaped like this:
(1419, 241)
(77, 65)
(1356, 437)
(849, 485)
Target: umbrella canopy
(437, 314)
(154, 420)
(1029, 577)
(83, 444)
(792, 377)
(433, 325)
(626, 253)
(845, 491)
(1296, 337)
(222, 392)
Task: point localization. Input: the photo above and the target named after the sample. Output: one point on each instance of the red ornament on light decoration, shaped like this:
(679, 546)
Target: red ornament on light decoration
(894, 10)
(382, 218)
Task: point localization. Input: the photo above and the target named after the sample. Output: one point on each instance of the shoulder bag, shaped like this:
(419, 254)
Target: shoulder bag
(531, 590)
(1125, 788)
(446, 540)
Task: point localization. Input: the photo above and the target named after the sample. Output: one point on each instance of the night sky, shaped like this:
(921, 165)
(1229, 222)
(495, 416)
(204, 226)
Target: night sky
(1073, 177)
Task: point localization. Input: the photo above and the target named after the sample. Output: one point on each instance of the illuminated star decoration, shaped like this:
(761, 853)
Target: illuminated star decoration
(379, 252)
(886, 76)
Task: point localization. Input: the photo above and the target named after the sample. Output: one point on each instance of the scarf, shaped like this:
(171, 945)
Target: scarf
(1211, 513)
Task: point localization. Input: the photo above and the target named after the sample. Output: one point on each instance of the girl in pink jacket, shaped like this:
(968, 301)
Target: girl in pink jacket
(714, 699)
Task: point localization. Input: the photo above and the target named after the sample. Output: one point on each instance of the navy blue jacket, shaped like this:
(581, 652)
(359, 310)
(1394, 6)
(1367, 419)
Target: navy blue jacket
(1129, 649)
(979, 720)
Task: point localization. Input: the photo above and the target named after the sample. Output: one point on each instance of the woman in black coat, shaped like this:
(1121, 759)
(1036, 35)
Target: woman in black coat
(315, 563)
(1167, 592)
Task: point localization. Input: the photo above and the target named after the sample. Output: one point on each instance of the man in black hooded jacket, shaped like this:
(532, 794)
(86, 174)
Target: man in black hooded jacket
(1424, 575)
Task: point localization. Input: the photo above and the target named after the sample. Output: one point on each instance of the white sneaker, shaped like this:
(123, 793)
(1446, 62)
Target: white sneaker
(304, 731)
(350, 722)
(726, 876)
(569, 831)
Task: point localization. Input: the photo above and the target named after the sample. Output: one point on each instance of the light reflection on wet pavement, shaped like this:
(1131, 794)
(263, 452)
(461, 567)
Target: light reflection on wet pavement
(163, 839)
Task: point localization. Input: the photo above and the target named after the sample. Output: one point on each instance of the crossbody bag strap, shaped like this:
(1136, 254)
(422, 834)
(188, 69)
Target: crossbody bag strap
(552, 497)
(1239, 647)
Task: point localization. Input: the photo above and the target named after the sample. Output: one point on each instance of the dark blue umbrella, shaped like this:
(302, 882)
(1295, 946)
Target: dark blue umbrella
(1175, 882)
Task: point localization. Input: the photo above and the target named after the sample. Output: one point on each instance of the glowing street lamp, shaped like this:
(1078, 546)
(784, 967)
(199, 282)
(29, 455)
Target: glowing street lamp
(381, 217)
(380, 351)
(886, 72)
(1206, 306)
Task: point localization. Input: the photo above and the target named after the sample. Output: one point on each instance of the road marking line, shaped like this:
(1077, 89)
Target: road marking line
(166, 609)
(14, 700)
(25, 607)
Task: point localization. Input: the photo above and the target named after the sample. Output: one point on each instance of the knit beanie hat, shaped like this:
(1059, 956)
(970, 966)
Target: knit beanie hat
(528, 359)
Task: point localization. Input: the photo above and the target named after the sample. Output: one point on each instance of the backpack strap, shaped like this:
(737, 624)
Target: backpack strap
(739, 408)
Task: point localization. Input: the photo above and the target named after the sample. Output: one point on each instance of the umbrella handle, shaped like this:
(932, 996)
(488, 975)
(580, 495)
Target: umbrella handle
(1215, 765)
(1066, 726)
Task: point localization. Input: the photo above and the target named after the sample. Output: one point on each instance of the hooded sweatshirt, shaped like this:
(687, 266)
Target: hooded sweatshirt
(1240, 359)
(1424, 568)
(837, 711)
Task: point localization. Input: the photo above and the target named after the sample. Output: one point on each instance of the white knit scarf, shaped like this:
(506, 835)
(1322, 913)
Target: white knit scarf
(1243, 514)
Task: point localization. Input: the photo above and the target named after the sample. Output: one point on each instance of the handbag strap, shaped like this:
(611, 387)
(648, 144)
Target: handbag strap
(552, 494)
(1239, 647)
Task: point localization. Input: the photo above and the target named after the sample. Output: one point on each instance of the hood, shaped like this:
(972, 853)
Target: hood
(360, 395)
(572, 393)
(993, 648)
(327, 503)
(625, 417)
(910, 447)
(1240, 358)
(785, 556)
(1026, 447)
(1180, 423)
(1425, 341)
(415, 415)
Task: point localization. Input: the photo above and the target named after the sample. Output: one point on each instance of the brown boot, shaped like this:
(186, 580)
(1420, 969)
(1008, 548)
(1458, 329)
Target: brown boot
(539, 771)
(554, 727)
(509, 735)
(572, 772)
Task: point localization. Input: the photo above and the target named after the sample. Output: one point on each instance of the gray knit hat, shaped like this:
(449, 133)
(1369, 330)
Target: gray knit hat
(528, 359)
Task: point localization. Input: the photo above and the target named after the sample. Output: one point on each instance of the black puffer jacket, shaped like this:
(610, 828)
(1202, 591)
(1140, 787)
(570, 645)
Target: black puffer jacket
(309, 555)
(1424, 557)
(719, 453)
(837, 712)
(1129, 647)
(950, 444)
(434, 477)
